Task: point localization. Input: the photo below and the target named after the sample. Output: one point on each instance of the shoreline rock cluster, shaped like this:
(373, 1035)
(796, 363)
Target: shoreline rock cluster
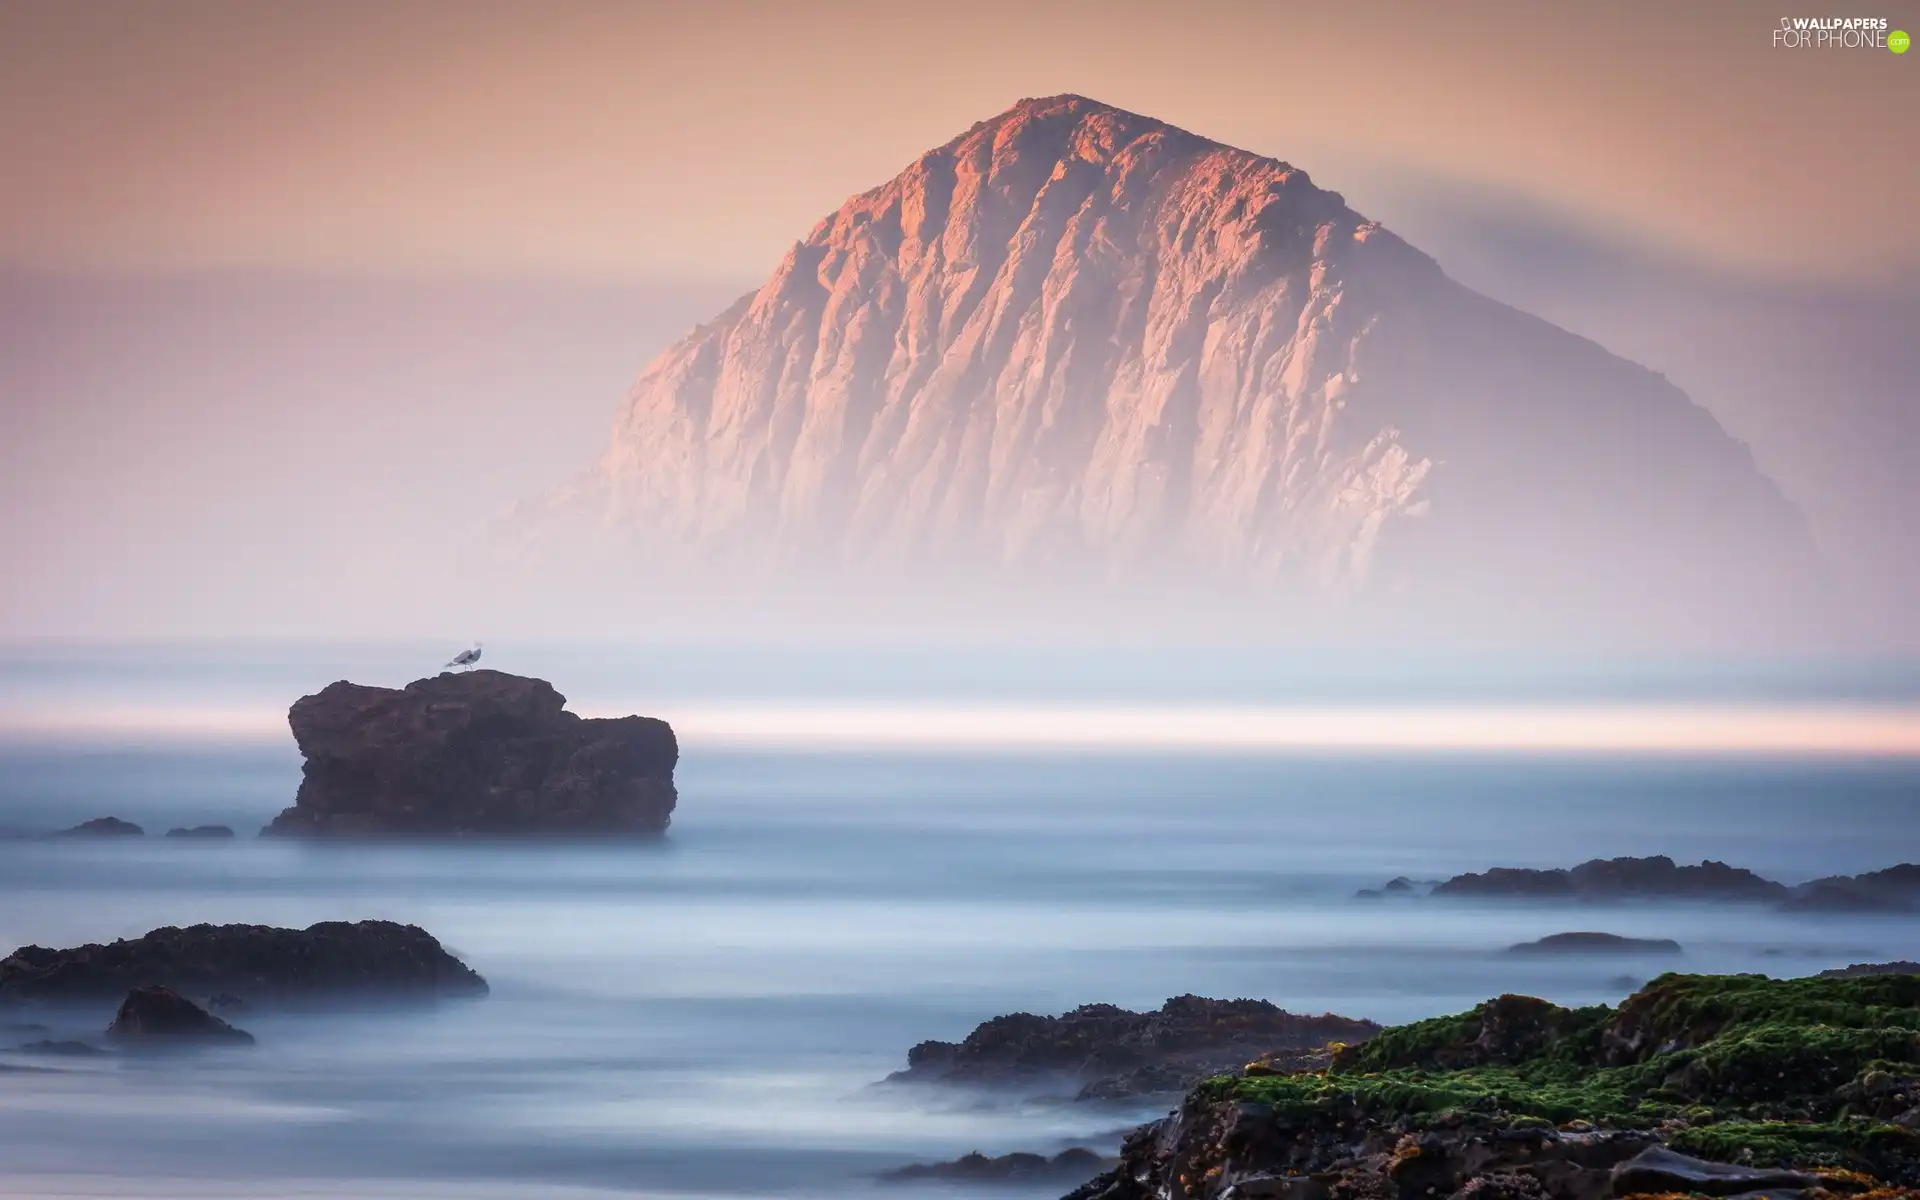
(1614, 880)
(1716, 1085)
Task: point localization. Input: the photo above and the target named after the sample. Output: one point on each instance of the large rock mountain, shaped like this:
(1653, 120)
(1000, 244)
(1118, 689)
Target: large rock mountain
(1075, 343)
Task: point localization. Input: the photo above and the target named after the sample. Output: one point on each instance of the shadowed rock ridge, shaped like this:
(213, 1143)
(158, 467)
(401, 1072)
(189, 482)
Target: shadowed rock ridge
(258, 963)
(474, 753)
(1076, 343)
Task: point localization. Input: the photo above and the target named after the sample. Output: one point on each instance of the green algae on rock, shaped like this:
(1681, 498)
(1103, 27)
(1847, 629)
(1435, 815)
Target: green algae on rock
(1810, 1074)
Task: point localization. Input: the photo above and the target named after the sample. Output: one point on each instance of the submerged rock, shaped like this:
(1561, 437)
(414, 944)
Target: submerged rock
(103, 827)
(66, 1048)
(371, 959)
(1595, 943)
(160, 1015)
(1074, 1164)
(1111, 1053)
(200, 831)
(474, 753)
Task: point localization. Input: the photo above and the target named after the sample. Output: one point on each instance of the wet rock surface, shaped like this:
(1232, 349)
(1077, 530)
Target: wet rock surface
(1109, 1053)
(1596, 943)
(255, 963)
(160, 1016)
(474, 753)
(1658, 1169)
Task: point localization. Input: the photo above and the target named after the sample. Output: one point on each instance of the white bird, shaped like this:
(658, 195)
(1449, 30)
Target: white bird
(466, 658)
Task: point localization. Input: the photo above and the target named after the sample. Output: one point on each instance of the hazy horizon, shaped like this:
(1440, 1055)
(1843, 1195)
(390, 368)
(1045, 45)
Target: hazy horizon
(254, 392)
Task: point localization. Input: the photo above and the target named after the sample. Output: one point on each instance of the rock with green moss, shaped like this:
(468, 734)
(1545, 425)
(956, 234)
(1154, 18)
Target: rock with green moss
(1805, 1075)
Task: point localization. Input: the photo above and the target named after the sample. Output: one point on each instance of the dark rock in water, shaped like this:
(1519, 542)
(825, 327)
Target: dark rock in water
(1896, 889)
(1658, 1169)
(153, 1015)
(1110, 1053)
(474, 753)
(1398, 886)
(1595, 943)
(65, 1049)
(226, 1002)
(1604, 879)
(370, 959)
(1068, 1165)
(1859, 969)
(200, 831)
(103, 827)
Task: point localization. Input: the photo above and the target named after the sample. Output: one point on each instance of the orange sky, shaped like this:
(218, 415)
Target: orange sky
(642, 137)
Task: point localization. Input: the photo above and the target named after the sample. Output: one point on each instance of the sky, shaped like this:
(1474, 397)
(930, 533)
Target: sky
(296, 297)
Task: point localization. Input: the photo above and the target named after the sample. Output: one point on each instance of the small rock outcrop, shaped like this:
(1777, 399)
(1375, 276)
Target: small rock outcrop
(1896, 889)
(259, 963)
(200, 831)
(474, 753)
(1595, 943)
(1068, 1166)
(103, 827)
(1112, 1053)
(1858, 969)
(1608, 880)
(1605, 879)
(154, 1016)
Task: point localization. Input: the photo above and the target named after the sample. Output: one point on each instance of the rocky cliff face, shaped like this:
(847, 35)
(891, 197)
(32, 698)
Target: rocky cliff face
(1077, 341)
(480, 752)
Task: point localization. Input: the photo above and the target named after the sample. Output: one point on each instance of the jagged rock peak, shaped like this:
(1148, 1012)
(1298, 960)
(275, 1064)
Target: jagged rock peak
(1076, 341)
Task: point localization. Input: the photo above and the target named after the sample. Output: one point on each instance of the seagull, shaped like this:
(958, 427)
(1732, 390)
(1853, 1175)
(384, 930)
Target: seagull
(466, 658)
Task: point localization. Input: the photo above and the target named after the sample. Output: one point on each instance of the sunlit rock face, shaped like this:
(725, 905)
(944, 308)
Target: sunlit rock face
(1075, 342)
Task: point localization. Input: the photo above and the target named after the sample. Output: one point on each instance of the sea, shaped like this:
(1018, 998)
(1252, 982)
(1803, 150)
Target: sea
(707, 1015)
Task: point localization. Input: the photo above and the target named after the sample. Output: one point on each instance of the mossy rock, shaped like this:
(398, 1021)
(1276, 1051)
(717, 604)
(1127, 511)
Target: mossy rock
(1802, 1072)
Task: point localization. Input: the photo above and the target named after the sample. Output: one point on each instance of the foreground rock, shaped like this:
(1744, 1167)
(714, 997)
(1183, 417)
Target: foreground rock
(1068, 1166)
(1595, 943)
(256, 963)
(159, 1016)
(103, 827)
(201, 831)
(1111, 1053)
(480, 752)
(1716, 1085)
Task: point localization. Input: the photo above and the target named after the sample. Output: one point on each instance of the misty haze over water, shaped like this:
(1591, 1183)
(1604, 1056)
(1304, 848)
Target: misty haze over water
(702, 1016)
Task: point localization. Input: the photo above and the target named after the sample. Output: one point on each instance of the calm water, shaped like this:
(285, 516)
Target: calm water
(702, 1017)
